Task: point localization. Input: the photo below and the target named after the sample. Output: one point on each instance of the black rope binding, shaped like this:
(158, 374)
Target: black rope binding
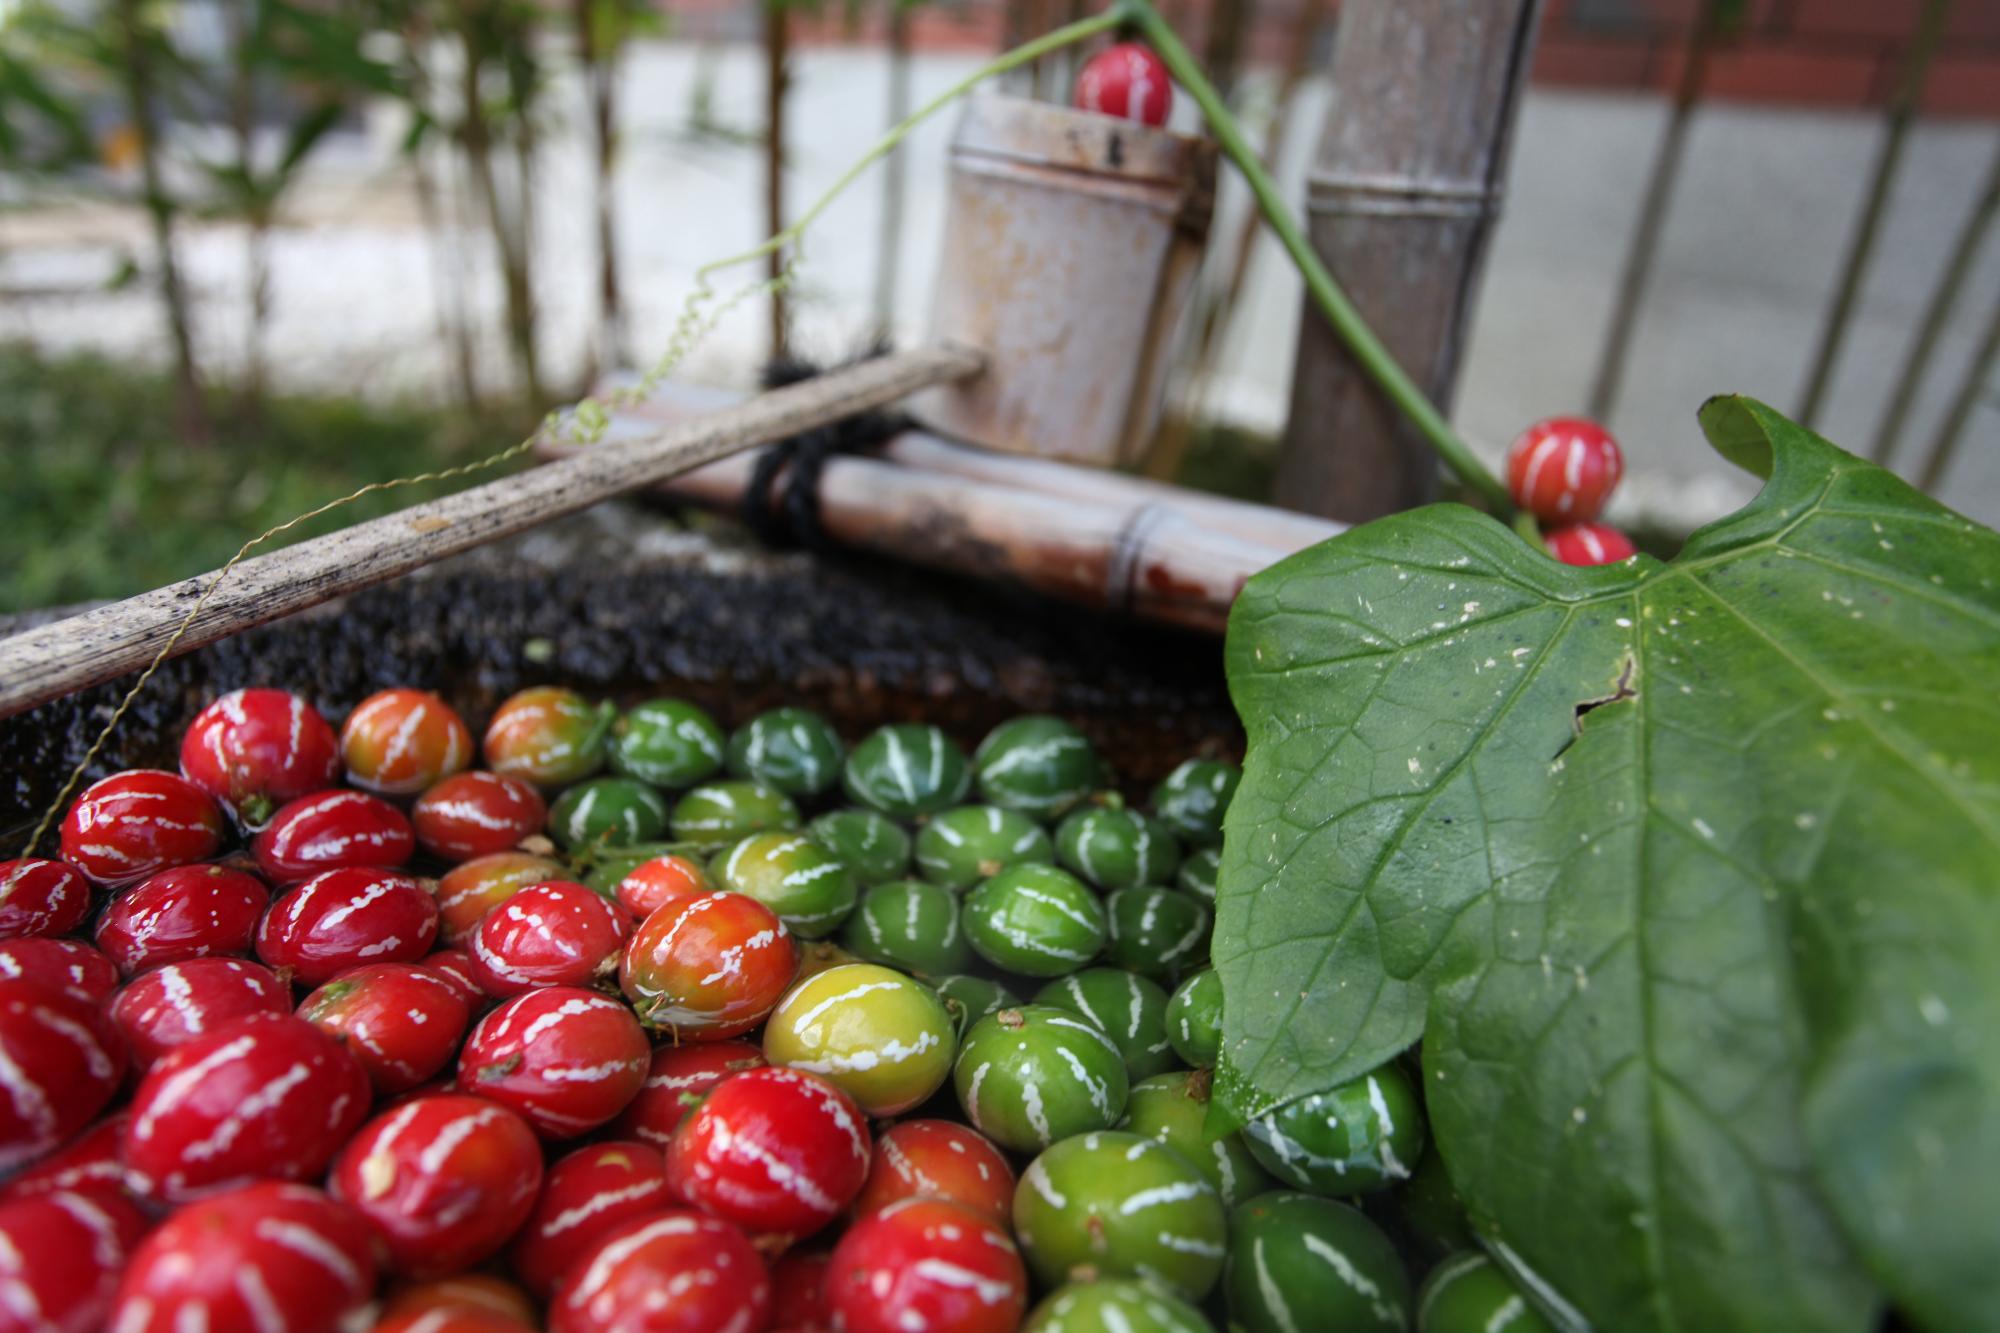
(795, 519)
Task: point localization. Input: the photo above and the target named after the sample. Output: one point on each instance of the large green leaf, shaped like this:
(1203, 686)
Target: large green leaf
(1687, 874)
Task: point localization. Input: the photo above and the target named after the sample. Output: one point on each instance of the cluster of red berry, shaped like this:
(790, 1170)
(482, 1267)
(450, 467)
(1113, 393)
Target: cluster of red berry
(1563, 470)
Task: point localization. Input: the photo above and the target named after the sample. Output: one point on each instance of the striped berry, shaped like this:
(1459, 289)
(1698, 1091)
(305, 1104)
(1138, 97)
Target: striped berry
(968, 843)
(586, 1194)
(553, 934)
(470, 890)
(255, 1098)
(40, 897)
(161, 1009)
(567, 1059)
(265, 1256)
(777, 1151)
(1194, 1019)
(345, 918)
(463, 1303)
(672, 1272)
(718, 814)
(548, 735)
(1035, 921)
(401, 1021)
(883, 1039)
(332, 831)
(186, 912)
(679, 1077)
(929, 1264)
(802, 882)
(1588, 544)
(1027, 1077)
(476, 814)
(1173, 1108)
(60, 1258)
(1041, 766)
(1563, 469)
(1116, 848)
(1466, 1293)
(1113, 1204)
(399, 742)
(1128, 81)
(1193, 798)
(445, 1180)
(607, 812)
(871, 845)
(70, 966)
(87, 1164)
(668, 743)
(254, 750)
(652, 884)
(454, 968)
(1115, 1302)
(60, 1061)
(708, 968)
(798, 1291)
(911, 924)
(1297, 1259)
(938, 1159)
(1156, 932)
(1362, 1135)
(132, 824)
(1125, 1007)
(907, 771)
(793, 749)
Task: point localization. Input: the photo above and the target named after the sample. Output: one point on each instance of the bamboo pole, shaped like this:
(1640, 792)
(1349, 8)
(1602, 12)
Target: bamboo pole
(50, 661)
(1945, 447)
(1881, 182)
(777, 84)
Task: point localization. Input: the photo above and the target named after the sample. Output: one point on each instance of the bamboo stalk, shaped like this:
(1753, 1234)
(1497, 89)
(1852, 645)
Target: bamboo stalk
(1945, 447)
(50, 661)
(777, 33)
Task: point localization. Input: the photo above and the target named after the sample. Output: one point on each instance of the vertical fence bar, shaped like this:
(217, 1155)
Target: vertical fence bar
(1401, 199)
(777, 83)
(1963, 404)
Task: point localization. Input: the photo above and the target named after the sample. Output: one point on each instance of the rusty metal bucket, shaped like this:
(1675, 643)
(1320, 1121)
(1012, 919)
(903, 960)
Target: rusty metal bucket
(1071, 245)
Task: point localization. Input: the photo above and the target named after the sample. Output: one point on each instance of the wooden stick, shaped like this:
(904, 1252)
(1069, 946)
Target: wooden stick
(99, 645)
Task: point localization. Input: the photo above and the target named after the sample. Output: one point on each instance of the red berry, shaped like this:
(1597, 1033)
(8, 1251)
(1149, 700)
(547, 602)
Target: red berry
(186, 912)
(680, 1077)
(345, 918)
(330, 831)
(798, 1289)
(1128, 81)
(402, 1021)
(253, 750)
(476, 814)
(40, 897)
(266, 1256)
(585, 1195)
(60, 1258)
(651, 885)
(1562, 470)
(930, 1264)
(776, 1151)
(1588, 544)
(257, 1098)
(548, 735)
(464, 1303)
(673, 1272)
(567, 1059)
(131, 824)
(709, 968)
(70, 966)
(179, 1002)
(469, 891)
(445, 1179)
(60, 1062)
(554, 934)
(399, 742)
(939, 1159)
(454, 968)
(88, 1164)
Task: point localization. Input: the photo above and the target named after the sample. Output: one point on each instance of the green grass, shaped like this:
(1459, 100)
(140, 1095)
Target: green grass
(102, 499)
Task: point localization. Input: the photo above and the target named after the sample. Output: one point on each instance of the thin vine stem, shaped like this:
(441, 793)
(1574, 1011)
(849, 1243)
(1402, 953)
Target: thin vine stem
(1326, 292)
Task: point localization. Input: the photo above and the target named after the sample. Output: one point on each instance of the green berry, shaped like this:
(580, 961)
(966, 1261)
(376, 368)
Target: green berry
(885, 1039)
(1116, 1305)
(1196, 877)
(972, 998)
(908, 924)
(907, 770)
(1114, 1204)
(973, 842)
(607, 812)
(1129, 1009)
(793, 750)
(668, 742)
(1357, 1137)
(1299, 1262)
(1194, 1019)
(717, 814)
(1041, 766)
(1173, 1108)
(1433, 1215)
(1027, 1077)
(1191, 800)
(1158, 932)
(1116, 848)
(1468, 1293)
(1035, 920)
(805, 884)
(873, 845)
